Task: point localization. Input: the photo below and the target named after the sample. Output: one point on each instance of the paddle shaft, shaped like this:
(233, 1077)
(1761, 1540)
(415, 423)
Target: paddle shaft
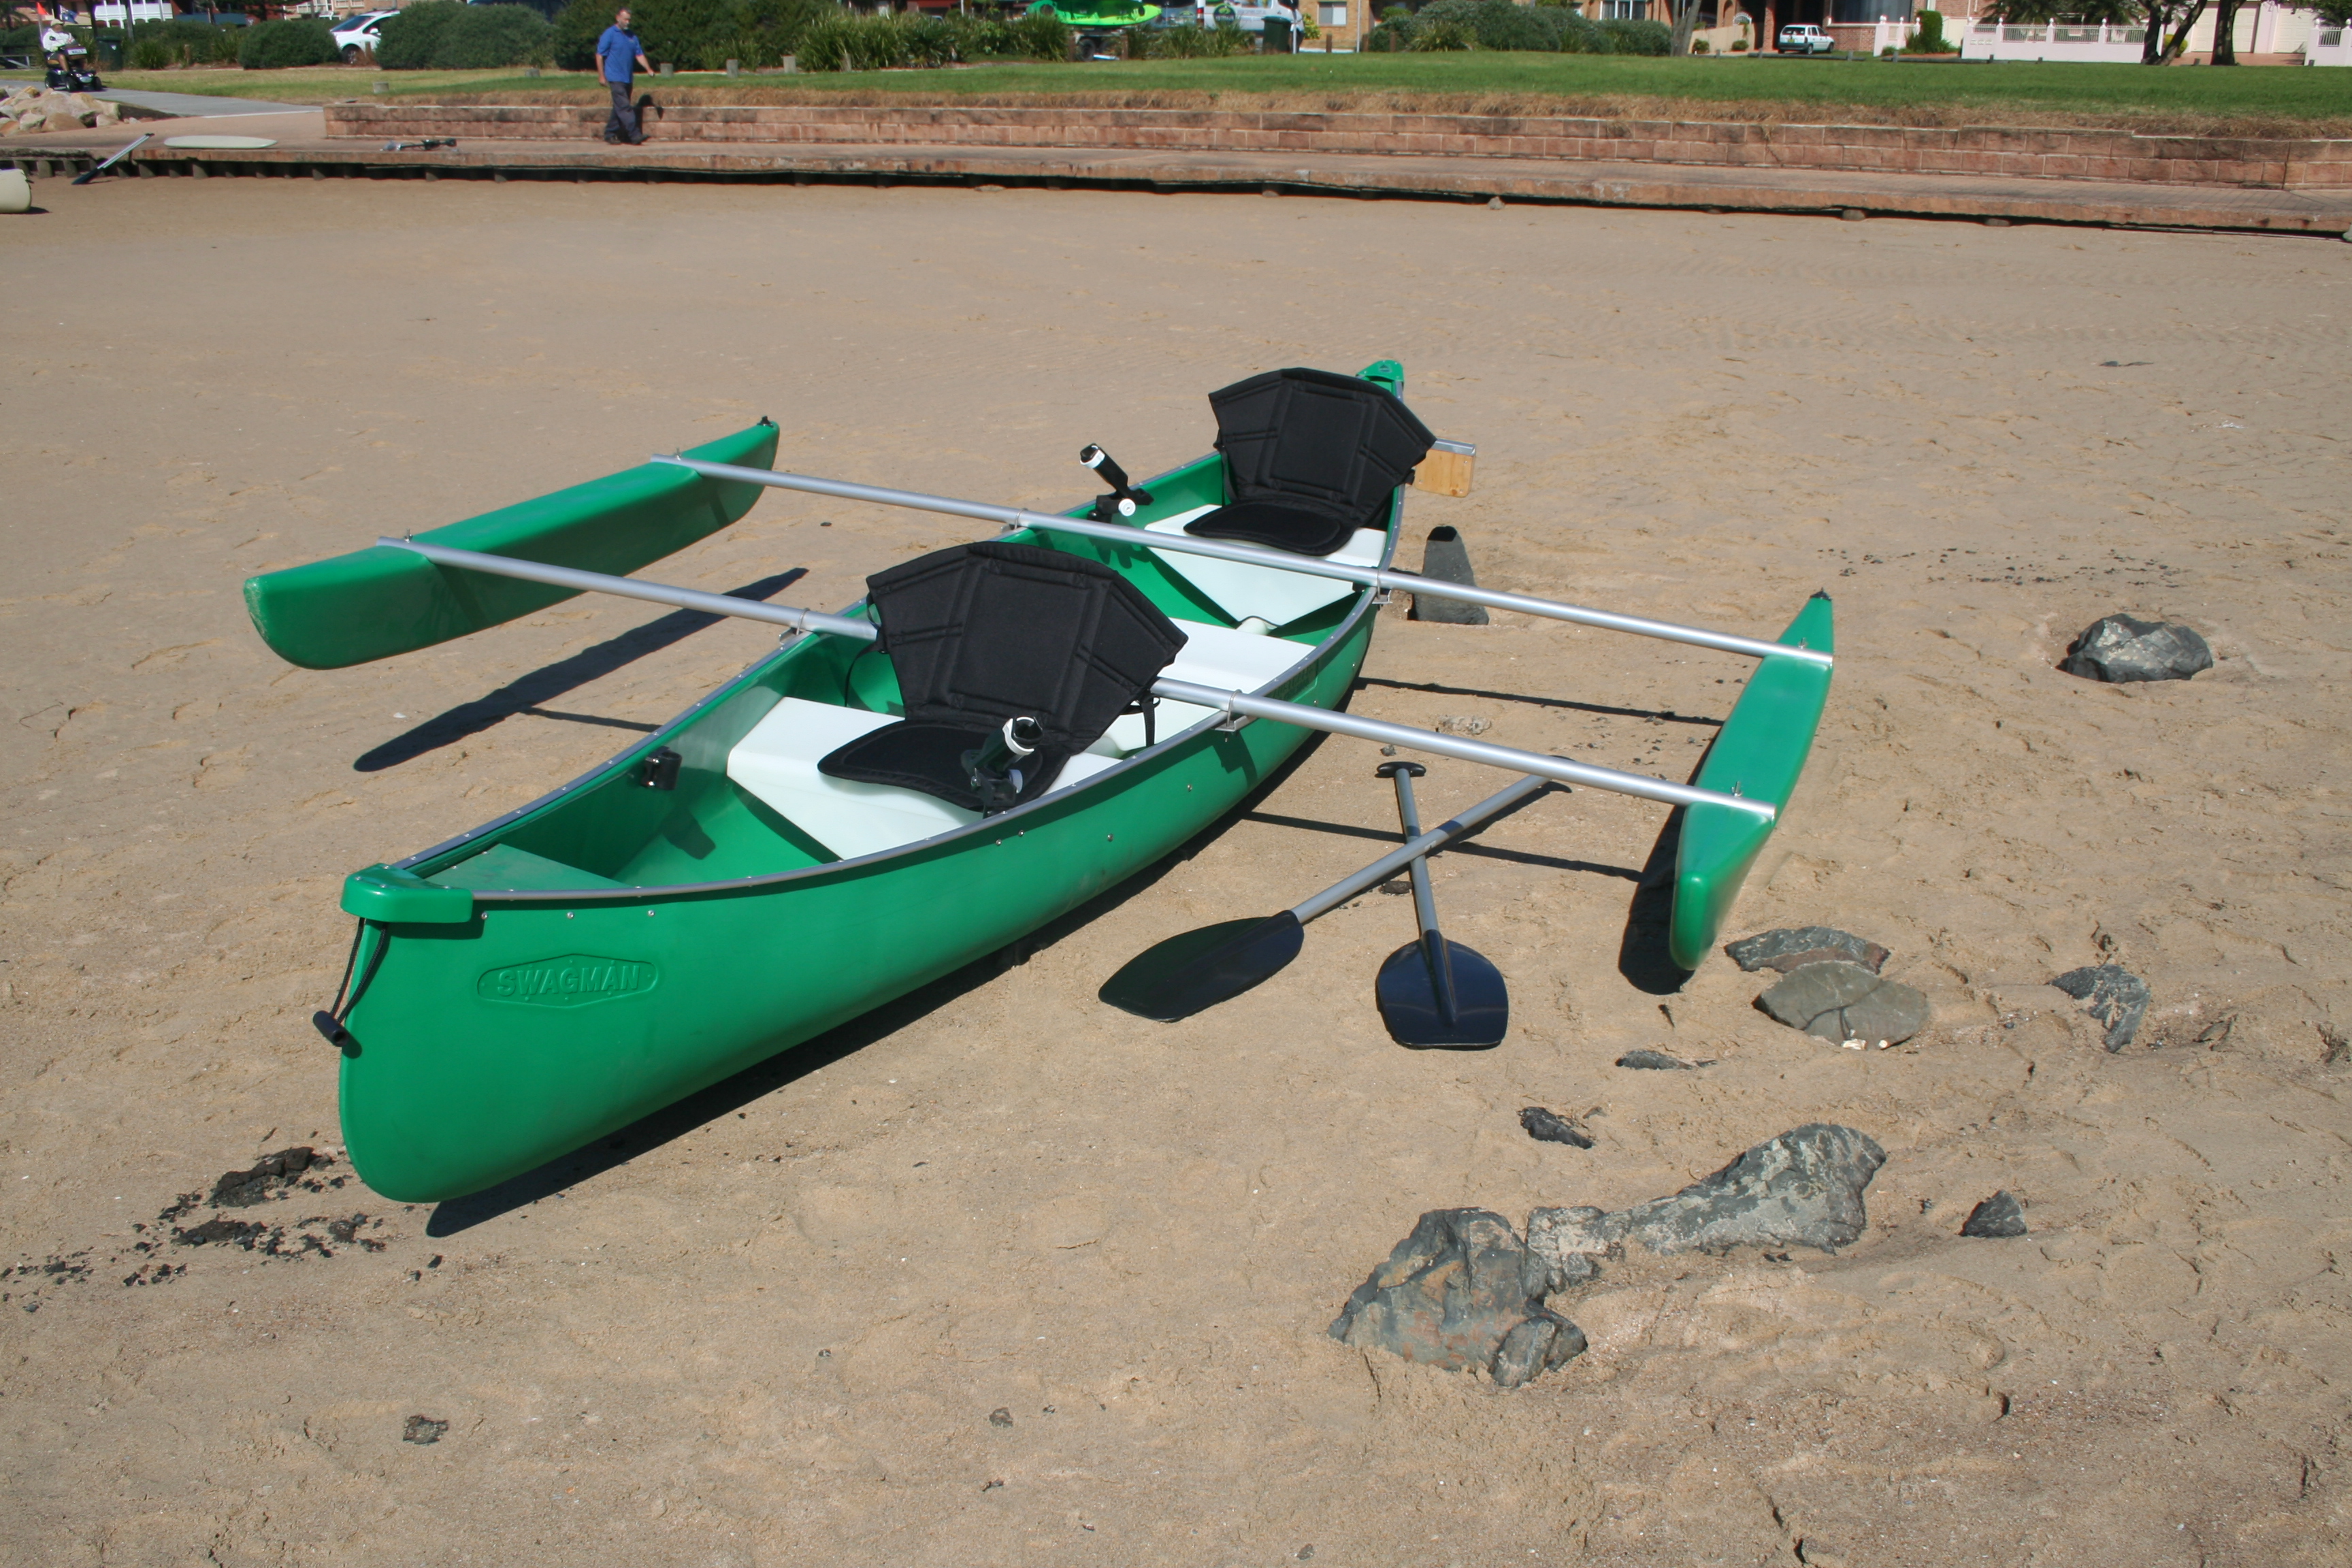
(1411, 852)
(1424, 900)
(1307, 565)
(1559, 770)
(87, 175)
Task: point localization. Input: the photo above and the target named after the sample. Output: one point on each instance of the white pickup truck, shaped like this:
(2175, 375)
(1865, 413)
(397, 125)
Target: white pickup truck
(1804, 39)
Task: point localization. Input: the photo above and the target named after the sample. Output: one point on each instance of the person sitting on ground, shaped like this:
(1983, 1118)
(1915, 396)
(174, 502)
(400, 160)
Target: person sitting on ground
(618, 56)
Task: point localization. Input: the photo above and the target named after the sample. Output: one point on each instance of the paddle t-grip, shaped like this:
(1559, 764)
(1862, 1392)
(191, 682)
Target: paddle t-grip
(1124, 498)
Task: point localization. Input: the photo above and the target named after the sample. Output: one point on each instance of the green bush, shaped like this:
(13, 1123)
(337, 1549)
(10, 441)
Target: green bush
(275, 46)
(900, 42)
(406, 42)
(1639, 37)
(191, 43)
(483, 37)
(1444, 37)
(1189, 41)
(150, 55)
(694, 35)
(1929, 38)
(1738, 46)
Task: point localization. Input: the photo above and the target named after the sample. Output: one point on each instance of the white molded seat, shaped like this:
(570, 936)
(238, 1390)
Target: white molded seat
(777, 761)
(1268, 594)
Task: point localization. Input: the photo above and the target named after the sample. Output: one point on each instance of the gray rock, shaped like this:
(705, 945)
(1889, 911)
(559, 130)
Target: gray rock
(1794, 947)
(1841, 1000)
(424, 1431)
(2120, 648)
(1446, 558)
(1655, 1061)
(1802, 1188)
(1550, 1128)
(2111, 993)
(1461, 1291)
(1998, 1217)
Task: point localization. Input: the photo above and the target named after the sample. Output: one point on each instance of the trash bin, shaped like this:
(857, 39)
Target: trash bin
(1276, 33)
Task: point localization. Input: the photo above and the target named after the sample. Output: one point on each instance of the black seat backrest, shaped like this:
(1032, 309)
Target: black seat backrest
(981, 633)
(1312, 441)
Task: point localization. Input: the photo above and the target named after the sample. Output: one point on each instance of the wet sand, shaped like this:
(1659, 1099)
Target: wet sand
(772, 1331)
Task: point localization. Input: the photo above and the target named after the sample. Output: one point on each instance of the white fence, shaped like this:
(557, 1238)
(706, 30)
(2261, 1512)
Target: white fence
(111, 12)
(2328, 47)
(2085, 41)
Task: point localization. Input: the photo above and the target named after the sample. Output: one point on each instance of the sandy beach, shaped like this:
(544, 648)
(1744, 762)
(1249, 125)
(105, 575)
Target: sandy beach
(772, 1327)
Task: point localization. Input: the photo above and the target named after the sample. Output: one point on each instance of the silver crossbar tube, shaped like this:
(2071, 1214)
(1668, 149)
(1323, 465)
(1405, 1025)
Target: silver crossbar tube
(1281, 560)
(1555, 768)
(1413, 850)
(1558, 769)
(630, 588)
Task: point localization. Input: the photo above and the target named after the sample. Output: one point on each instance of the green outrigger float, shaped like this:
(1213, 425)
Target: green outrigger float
(703, 901)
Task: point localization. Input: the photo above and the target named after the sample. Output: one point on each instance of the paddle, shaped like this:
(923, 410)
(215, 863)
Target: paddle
(1435, 993)
(1193, 971)
(95, 170)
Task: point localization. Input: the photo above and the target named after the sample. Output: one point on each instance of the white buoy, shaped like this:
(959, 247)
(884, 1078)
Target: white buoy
(15, 191)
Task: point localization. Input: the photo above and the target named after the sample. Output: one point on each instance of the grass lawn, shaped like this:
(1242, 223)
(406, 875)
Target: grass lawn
(2178, 98)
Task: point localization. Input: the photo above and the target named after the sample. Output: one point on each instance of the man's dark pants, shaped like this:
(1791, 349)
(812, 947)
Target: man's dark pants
(623, 125)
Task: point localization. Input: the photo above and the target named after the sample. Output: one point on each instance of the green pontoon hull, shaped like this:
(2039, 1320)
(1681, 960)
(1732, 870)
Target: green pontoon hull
(1758, 753)
(657, 946)
(615, 525)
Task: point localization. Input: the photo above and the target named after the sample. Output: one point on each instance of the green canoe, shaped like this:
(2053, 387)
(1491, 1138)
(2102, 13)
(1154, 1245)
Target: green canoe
(609, 948)
(704, 900)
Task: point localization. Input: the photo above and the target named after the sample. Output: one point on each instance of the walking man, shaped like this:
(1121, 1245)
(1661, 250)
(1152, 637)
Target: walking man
(618, 56)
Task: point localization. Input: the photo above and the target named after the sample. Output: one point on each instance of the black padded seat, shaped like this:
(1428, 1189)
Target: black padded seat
(979, 634)
(1311, 456)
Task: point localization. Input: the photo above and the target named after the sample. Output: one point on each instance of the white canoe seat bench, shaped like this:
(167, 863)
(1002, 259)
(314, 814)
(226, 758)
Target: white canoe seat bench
(777, 762)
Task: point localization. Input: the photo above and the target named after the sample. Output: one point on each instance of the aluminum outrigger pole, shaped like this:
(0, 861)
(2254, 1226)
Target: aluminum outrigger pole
(1307, 565)
(1238, 703)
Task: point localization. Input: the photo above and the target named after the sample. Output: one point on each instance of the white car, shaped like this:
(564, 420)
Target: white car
(356, 35)
(1804, 39)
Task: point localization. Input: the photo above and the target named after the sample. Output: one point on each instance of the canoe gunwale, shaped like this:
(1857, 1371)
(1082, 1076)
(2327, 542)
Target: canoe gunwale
(1108, 781)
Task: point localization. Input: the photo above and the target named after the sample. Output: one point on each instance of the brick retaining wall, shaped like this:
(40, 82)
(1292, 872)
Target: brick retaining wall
(1989, 151)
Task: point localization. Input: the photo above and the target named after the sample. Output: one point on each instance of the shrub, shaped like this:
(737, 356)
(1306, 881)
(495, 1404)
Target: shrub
(1443, 37)
(485, 35)
(275, 46)
(1929, 38)
(1639, 37)
(406, 42)
(1698, 45)
(1188, 41)
(191, 43)
(1738, 46)
(1494, 25)
(694, 35)
(889, 43)
(150, 54)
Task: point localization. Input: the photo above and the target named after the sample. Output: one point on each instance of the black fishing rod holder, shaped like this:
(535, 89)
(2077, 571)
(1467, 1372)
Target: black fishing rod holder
(1124, 498)
(990, 767)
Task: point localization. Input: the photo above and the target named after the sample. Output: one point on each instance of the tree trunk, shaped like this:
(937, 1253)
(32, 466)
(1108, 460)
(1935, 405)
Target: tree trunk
(2180, 39)
(2225, 32)
(1685, 23)
(2157, 14)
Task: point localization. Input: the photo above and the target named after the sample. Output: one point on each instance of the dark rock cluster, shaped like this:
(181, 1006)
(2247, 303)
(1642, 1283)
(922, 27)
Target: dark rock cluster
(2111, 993)
(1464, 1290)
(1833, 989)
(2120, 648)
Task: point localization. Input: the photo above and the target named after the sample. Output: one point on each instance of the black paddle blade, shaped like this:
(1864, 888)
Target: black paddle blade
(1188, 974)
(1410, 1007)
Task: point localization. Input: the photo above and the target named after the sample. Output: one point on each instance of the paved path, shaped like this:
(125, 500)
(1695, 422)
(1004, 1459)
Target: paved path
(190, 103)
